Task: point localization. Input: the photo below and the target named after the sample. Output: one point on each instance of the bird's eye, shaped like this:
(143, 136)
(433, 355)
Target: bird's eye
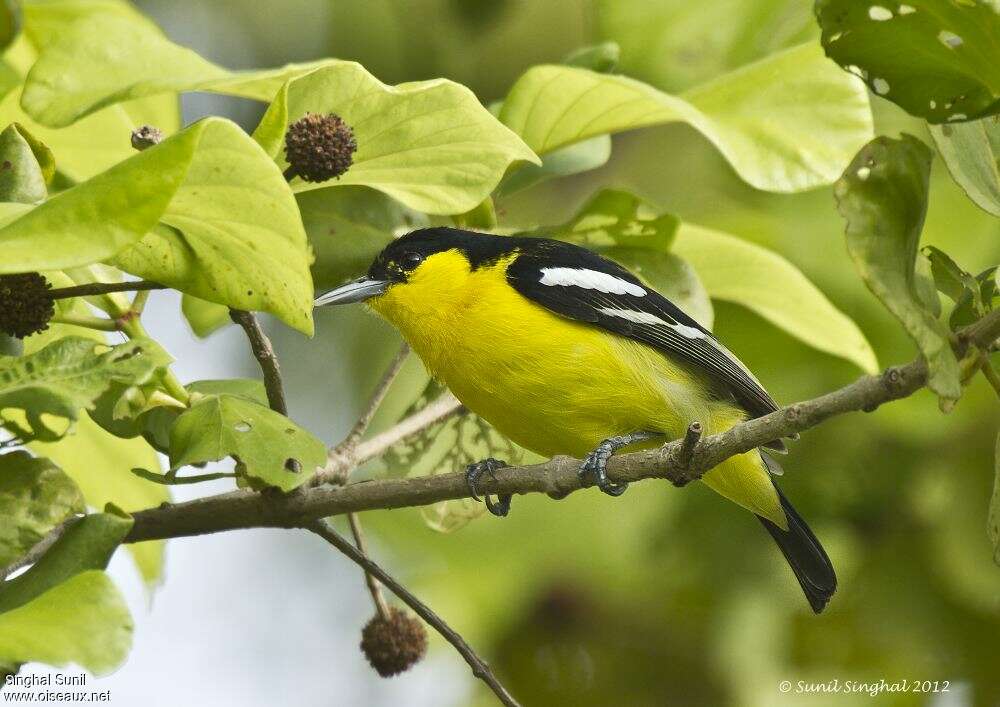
(410, 260)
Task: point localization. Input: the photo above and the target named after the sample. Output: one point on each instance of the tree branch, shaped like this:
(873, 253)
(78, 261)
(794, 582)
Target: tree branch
(479, 667)
(557, 477)
(264, 353)
(39, 548)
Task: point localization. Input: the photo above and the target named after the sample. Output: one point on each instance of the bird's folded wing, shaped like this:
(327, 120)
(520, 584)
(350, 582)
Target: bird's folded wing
(597, 291)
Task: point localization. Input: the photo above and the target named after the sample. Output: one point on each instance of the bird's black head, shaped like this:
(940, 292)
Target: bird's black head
(405, 254)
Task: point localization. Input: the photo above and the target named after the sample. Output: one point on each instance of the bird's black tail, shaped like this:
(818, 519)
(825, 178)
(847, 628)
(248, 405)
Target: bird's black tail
(805, 556)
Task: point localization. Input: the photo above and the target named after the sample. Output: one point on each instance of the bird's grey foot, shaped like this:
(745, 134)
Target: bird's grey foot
(594, 470)
(474, 472)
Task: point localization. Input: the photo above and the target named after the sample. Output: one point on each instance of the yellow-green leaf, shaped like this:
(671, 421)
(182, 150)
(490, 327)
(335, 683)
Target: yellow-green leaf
(735, 270)
(429, 144)
(786, 123)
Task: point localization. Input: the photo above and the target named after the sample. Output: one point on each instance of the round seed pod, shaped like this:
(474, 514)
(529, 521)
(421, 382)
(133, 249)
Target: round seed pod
(25, 304)
(320, 147)
(393, 646)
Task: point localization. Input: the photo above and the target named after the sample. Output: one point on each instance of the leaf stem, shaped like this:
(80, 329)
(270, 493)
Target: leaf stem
(85, 320)
(103, 288)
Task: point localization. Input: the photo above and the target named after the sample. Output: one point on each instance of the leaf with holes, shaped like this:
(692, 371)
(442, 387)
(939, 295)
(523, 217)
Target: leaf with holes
(938, 59)
(270, 449)
(972, 153)
(70, 374)
(429, 144)
(786, 123)
(35, 496)
(883, 198)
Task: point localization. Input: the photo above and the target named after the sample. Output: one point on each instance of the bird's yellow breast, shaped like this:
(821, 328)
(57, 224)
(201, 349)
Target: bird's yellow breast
(550, 384)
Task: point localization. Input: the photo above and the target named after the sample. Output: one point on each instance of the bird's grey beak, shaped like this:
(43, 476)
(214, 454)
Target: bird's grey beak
(354, 291)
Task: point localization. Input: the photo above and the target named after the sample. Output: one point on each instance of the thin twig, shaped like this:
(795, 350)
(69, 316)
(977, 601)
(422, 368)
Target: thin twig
(263, 351)
(381, 390)
(39, 548)
(374, 588)
(87, 321)
(479, 667)
(104, 288)
(340, 462)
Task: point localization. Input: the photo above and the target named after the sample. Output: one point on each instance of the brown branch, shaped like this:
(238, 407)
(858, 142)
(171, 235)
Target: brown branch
(479, 667)
(264, 353)
(557, 477)
(104, 288)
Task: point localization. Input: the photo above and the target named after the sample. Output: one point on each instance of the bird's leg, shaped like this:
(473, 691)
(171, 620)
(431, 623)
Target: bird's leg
(474, 472)
(595, 467)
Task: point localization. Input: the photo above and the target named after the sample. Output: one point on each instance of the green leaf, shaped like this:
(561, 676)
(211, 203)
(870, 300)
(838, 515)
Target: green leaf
(883, 198)
(97, 461)
(602, 57)
(993, 522)
(429, 144)
(75, 76)
(348, 227)
(86, 544)
(84, 621)
(938, 59)
(675, 45)
(101, 464)
(270, 448)
(21, 176)
(948, 276)
(787, 123)
(203, 316)
(35, 496)
(572, 159)
(232, 233)
(737, 271)
(972, 153)
(70, 374)
(247, 388)
(10, 22)
(974, 303)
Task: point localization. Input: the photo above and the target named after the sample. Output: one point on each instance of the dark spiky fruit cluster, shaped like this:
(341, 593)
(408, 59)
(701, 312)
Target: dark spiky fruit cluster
(393, 646)
(25, 304)
(320, 147)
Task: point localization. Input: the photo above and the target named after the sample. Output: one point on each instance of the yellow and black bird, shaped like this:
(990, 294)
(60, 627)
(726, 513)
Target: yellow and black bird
(566, 352)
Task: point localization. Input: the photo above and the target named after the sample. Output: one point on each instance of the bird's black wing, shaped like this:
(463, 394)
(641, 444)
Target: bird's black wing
(579, 284)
